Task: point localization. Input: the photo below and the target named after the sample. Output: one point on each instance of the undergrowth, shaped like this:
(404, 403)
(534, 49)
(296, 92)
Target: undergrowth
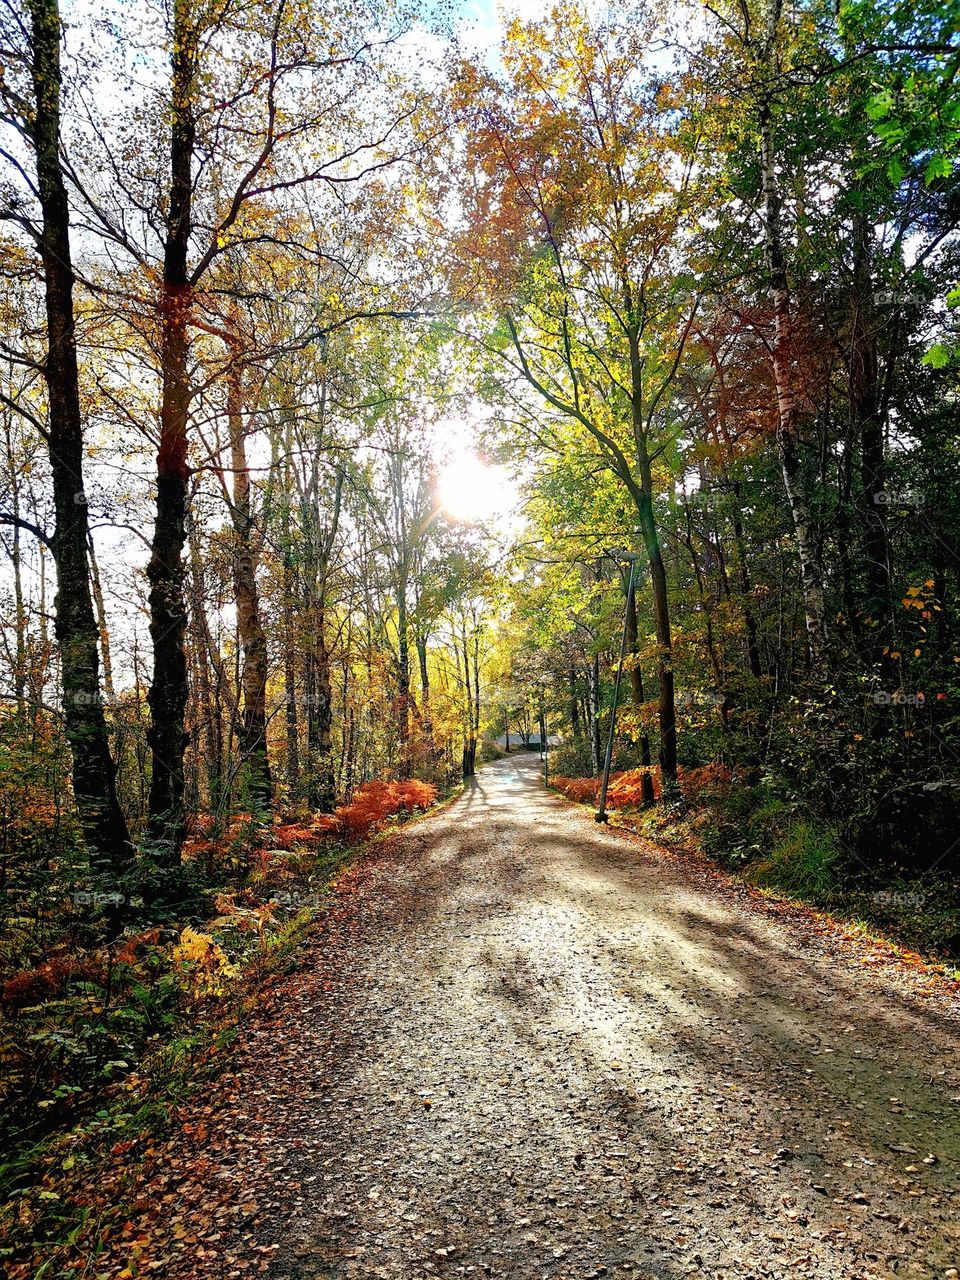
(100, 1042)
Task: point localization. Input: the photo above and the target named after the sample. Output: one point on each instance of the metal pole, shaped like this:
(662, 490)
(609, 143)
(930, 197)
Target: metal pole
(543, 746)
(601, 814)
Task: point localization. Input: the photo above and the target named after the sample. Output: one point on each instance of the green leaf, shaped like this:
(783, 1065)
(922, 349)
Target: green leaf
(938, 357)
(890, 131)
(880, 105)
(938, 167)
(896, 170)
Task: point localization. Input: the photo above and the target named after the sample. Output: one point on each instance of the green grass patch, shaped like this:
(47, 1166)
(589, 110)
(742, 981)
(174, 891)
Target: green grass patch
(803, 863)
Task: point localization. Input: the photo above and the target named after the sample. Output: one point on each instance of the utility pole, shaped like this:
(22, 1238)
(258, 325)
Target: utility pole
(631, 558)
(543, 742)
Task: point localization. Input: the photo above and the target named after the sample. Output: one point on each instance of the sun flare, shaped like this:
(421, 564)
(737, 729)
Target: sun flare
(471, 490)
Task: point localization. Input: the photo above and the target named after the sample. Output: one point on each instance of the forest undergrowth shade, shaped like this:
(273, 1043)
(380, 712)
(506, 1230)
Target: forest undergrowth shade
(100, 1041)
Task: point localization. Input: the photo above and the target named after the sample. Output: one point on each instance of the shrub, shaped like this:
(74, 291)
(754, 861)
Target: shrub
(579, 789)
(573, 759)
(711, 781)
(626, 788)
(624, 792)
(374, 802)
(701, 782)
(49, 980)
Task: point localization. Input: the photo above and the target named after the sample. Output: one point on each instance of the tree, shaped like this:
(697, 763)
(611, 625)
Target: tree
(579, 232)
(94, 774)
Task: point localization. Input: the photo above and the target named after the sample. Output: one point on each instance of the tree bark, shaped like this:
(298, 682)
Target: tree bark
(20, 662)
(403, 678)
(789, 443)
(867, 414)
(290, 678)
(322, 785)
(168, 613)
(746, 590)
(643, 499)
(636, 688)
(94, 774)
(596, 750)
(421, 643)
(253, 641)
(470, 737)
(318, 686)
(207, 709)
(290, 641)
(666, 707)
(574, 702)
(102, 626)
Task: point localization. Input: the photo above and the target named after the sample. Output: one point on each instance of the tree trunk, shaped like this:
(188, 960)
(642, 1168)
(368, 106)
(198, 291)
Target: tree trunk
(290, 645)
(206, 708)
(666, 709)
(102, 627)
(253, 640)
(789, 444)
(476, 683)
(290, 681)
(322, 788)
(470, 738)
(707, 605)
(636, 686)
(643, 499)
(421, 643)
(168, 614)
(94, 774)
(867, 414)
(596, 750)
(20, 661)
(574, 702)
(746, 589)
(403, 680)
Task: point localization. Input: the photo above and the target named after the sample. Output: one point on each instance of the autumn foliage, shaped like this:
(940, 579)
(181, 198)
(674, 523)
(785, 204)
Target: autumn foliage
(374, 802)
(371, 804)
(626, 785)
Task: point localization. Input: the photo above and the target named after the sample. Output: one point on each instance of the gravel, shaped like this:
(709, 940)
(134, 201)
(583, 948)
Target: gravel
(541, 1048)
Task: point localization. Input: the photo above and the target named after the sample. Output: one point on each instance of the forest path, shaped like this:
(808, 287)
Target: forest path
(525, 1046)
(574, 1057)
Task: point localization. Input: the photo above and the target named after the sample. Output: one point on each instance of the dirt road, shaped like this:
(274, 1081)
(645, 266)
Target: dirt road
(524, 1046)
(572, 1059)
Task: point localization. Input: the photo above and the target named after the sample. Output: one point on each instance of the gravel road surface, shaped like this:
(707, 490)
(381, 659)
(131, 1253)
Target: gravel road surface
(557, 1052)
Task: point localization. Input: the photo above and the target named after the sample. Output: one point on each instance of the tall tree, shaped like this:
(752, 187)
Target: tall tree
(94, 774)
(580, 230)
(168, 610)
